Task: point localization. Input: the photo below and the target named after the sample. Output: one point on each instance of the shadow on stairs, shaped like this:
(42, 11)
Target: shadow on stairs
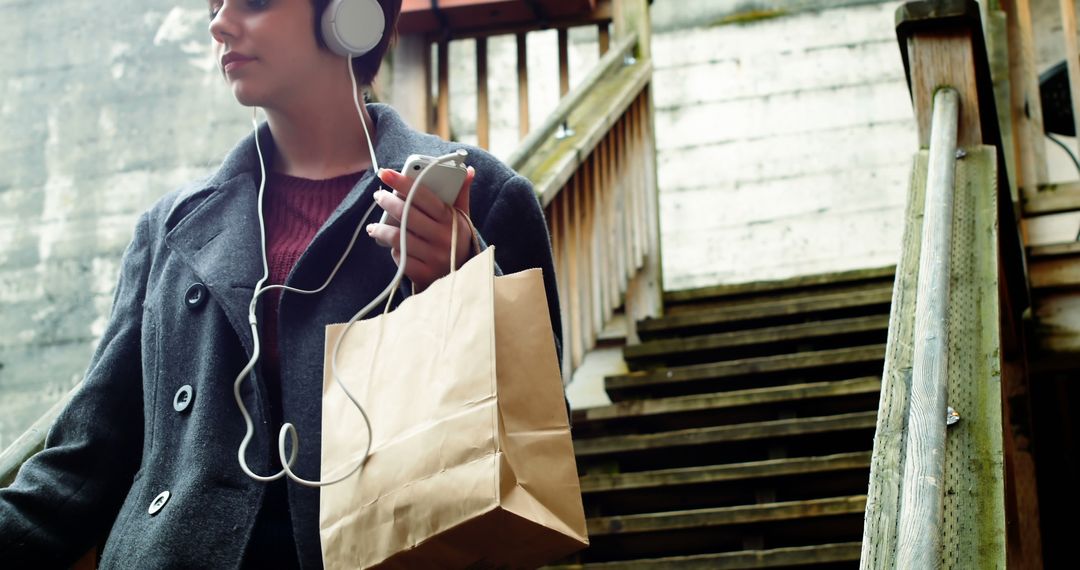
(741, 435)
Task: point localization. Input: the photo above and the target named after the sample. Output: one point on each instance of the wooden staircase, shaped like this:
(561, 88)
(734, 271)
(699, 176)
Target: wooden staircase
(741, 436)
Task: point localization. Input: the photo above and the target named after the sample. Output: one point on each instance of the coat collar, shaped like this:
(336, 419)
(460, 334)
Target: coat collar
(214, 226)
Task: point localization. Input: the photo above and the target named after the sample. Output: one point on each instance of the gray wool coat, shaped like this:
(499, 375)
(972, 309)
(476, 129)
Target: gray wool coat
(179, 319)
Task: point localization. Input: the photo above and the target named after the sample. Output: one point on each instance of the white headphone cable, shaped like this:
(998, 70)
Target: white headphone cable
(288, 427)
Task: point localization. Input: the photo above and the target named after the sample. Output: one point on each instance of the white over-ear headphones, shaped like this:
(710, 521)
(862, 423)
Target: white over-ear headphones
(353, 27)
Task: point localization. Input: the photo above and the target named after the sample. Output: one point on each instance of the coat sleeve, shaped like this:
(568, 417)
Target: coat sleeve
(66, 497)
(515, 225)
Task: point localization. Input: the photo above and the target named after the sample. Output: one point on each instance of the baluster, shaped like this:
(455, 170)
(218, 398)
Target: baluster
(483, 122)
(523, 86)
(443, 113)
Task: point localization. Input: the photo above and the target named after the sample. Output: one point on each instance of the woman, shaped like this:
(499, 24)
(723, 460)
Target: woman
(145, 456)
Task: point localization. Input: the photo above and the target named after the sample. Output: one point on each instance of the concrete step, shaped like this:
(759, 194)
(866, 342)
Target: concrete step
(756, 372)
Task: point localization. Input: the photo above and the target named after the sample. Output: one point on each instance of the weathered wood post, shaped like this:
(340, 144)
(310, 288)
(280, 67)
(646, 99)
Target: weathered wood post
(644, 294)
(965, 501)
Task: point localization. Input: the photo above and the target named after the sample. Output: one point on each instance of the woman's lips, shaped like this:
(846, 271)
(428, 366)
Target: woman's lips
(233, 61)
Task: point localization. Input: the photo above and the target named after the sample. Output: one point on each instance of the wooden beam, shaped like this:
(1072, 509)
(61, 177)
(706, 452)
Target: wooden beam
(1055, 266)
(785, 557)
(944, 59)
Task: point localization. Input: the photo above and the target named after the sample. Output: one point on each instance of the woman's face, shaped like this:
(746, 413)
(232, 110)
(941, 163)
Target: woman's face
(267, 50)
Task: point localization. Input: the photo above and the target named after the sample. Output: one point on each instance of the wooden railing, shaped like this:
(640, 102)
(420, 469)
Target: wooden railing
(592, 160)
(945, 503)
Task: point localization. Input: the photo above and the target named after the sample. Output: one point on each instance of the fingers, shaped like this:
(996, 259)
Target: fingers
(425, 201)
(462, 201)
(419, 221)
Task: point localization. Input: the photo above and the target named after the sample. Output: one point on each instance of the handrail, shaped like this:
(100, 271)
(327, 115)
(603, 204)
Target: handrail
(30, 442)
(612, 59)
(919, 532)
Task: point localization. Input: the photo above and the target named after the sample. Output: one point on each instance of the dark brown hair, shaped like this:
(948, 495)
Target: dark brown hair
(367, 65)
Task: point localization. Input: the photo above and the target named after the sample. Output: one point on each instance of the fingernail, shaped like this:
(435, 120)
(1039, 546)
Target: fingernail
(370, 228)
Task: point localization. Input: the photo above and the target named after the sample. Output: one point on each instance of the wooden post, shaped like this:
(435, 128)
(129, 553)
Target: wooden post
(1072, 56)
(483, 123)
(603, 38)
(564, 63)
(644, 293)
(410, 89)
(523, 86)
(1029, 145)
(443, 112)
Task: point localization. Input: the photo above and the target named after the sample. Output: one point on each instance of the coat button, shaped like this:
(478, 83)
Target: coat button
(195, 296)
(182, 399)
(158, 503)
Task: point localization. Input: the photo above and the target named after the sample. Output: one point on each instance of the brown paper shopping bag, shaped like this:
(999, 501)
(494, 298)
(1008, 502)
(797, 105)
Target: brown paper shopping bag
(471, 461)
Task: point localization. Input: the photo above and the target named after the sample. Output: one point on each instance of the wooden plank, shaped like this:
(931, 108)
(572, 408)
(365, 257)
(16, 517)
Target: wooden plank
(673, 377)
(742, 560)
(817, 304)
(669, 349)
(588, 274)
(725, 400)
(751, 470)
(442, 120)
(726, 516)
(410, 91)
(723, 434)
(1057, 329)
(483, 114)
(523, 86)
(783, 296)
(1029, 146)
(1072, 56)
(1054, 266)
(564, 62)
(573, 284)
(603, 38)
(938, 60)
(1053, 199)
(780, 286)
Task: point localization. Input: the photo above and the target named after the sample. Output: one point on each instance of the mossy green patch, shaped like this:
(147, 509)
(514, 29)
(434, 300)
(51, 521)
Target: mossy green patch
(748, 17)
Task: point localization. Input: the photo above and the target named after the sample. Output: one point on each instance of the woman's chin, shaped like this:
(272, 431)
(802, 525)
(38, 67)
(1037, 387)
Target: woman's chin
(246, 96)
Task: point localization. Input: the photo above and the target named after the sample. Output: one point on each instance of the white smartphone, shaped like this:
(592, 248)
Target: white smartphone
(444, 179)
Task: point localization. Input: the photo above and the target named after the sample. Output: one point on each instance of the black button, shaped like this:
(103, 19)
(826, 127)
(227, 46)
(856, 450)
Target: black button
(158, 503)
(196, 296)
(182, 399)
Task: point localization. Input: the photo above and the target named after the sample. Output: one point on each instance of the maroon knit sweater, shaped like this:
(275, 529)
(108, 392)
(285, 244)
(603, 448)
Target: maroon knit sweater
(294, 209)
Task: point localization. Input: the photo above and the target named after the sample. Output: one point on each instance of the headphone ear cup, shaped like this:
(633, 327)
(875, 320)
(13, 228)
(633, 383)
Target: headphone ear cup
(353, 27)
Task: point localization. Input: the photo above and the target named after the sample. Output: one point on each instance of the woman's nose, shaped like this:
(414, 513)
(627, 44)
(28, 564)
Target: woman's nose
(223, 25)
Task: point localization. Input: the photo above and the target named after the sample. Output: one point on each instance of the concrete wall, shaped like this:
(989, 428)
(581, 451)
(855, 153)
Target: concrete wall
(104, 107)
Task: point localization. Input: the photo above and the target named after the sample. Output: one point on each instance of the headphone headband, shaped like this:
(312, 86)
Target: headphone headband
(353, 27)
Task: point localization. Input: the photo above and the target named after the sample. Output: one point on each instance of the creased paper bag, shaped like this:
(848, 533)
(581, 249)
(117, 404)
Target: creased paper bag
(471, 462)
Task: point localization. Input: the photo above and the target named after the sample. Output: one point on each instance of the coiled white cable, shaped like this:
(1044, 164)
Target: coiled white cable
(288, 429)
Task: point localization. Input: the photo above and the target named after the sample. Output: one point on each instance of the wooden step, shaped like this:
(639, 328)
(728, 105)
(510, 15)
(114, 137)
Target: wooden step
(638, 409)
(711, 346)
(725, 516)
(585, 448)
(781, 286)
(601, 483)
(672, 309)
(768, 312)
(743, 560)
(756, 371)
(1054, 266)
